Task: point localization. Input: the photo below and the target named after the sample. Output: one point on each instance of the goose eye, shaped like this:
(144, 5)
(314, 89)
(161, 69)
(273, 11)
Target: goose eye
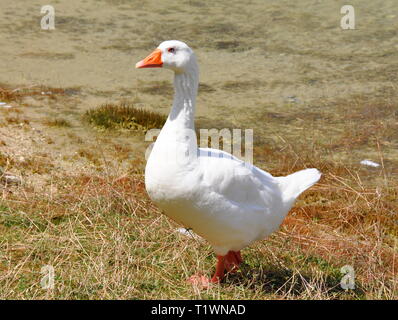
(172, 50)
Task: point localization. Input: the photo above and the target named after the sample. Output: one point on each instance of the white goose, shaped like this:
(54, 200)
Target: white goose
(228, 202)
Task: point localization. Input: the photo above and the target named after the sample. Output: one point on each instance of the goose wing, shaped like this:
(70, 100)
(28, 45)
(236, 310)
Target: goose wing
(237, 181)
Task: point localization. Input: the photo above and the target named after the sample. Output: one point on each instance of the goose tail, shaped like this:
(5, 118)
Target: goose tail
(294, 184)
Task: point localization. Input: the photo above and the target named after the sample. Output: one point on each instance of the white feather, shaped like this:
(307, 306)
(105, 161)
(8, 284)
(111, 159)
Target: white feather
(226, 201)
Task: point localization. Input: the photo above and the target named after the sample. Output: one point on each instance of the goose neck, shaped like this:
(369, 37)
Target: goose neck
(185, 91)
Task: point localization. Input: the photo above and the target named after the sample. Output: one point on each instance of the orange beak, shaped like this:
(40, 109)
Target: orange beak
(154, 60)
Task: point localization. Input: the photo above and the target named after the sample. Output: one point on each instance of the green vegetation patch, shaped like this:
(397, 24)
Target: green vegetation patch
(8, 94)
(124, 116)
(57, 122)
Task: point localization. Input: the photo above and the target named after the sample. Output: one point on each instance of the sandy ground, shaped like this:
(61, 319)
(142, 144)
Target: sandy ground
(274, 50)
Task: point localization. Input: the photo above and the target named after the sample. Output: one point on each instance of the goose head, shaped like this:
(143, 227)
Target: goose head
(171, 54)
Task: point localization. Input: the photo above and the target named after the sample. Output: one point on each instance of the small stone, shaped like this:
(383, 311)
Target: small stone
(10, 179)
(5, 106)
(292, 99)
(370, 163)
(188, 232)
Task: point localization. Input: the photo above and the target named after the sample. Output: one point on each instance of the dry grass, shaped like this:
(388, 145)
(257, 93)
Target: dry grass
(38, 91)
(106, 240)
(58, 122)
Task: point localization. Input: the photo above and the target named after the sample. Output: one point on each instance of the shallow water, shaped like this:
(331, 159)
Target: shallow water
(272, 49)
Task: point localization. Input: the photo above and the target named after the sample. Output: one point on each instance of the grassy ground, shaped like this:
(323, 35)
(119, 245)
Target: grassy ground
(315, 96)
(98, 229)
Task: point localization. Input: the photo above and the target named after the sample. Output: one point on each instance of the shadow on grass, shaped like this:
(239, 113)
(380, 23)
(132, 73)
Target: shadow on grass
(279, 281)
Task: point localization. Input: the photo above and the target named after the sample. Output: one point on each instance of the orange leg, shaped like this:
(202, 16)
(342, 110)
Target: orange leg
(233, 259)
(230, 263)
(220, 268)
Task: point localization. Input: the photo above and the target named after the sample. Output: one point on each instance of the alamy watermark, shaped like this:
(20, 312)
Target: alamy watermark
(185, 149)
(48, 20)
(47, 281)
(347, 22)
(348, 280)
